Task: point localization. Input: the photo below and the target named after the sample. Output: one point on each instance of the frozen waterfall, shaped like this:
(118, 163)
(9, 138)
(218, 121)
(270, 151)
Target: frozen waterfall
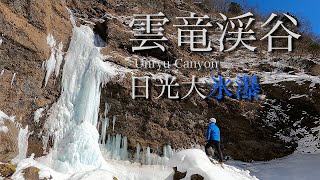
(72, 124)
(73, 118)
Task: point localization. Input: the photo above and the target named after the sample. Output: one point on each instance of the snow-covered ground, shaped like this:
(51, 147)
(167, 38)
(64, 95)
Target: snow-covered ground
(192, 161)
(195, 161)
(294, 167)
(118, 169)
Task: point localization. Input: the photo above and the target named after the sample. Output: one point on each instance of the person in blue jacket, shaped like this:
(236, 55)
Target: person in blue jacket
(213, 139)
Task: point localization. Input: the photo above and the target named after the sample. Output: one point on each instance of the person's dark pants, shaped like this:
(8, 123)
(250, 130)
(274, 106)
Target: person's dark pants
(216, 146)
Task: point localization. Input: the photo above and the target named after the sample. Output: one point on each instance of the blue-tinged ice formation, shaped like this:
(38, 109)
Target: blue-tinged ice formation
(72, 120)
(117, 146)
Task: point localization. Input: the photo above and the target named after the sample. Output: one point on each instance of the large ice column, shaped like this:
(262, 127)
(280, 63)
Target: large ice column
(73, 118)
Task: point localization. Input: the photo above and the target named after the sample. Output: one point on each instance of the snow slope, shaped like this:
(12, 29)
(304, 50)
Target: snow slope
(195, 161)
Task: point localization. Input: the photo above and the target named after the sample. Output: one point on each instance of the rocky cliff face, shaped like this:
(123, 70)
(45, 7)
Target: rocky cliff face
(246, 130)
(25, 26)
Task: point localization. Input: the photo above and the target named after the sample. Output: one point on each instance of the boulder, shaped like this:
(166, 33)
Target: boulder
(6, 170)
(31, 173)
(9, 140)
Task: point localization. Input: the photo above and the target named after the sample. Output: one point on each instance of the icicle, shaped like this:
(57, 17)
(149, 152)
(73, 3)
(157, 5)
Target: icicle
(109, 143)
(107, 121)
(138, 153)
(106, 109)
(116, 147)
(148, 156)
(98, 126)
(103, 130)
(165, 151)
(113, 122)
(13, 79)
(113, 144)
(124, 149)
(169, 151)
(51, 62)
(167, 154)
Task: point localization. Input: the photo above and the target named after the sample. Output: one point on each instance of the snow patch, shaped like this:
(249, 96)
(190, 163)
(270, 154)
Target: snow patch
(298, 96)
(300, 78)
(3, 128)
(38, 115)
(45, 172)
(310, 143)
(195, 161)
(3, 117)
